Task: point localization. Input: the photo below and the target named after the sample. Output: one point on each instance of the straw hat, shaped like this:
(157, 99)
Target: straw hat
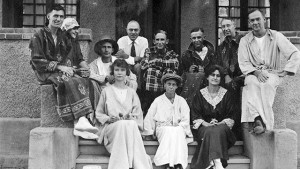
(104, 39)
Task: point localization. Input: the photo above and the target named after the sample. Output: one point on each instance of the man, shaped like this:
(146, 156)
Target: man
(194, 61)
(53, 65)
(227, 58)
(158, 60)
(259, 59)
(106, 47)
(227, 55)
(134, 46)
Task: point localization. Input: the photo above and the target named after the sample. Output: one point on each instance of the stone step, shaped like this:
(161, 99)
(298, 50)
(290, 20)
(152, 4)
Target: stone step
(234, 162)
(91, 147)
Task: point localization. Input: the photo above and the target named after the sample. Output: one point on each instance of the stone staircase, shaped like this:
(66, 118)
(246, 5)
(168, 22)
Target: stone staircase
(92, 153)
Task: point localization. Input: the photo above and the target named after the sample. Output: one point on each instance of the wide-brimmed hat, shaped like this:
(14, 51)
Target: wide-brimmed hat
(104, 39)
(173, 76)
(69, 23)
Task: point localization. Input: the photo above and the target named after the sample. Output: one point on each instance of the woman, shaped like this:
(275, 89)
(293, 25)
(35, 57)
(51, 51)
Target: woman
(169, 119)
(70, 27)
(213, 114)
(119, 119)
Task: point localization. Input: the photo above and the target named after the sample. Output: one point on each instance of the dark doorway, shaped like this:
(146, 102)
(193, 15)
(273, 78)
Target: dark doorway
(152, 15)
(166, 16)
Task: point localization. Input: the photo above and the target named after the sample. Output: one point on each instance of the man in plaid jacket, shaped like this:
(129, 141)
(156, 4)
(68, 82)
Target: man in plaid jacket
(158, 60)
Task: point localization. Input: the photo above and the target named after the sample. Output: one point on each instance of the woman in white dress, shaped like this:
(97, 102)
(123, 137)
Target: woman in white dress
(168, 118)
(119, 120)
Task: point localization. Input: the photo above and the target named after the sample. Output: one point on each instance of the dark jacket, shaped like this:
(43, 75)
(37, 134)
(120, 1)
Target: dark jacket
(227, 56)
(45, 56)
(190, 57)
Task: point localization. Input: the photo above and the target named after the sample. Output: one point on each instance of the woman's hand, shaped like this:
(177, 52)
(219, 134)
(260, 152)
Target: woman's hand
(113, 119)
(129, 117)
(205, 124)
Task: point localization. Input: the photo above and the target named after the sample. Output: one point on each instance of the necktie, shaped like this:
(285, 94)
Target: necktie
(132, 51)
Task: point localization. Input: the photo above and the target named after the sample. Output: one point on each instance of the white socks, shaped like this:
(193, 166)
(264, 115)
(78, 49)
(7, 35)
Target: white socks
(216, 163)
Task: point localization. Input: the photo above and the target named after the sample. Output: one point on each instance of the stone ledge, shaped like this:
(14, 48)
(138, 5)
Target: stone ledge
(26, 33)
(49, 115)
(276, 149)
(14, 141)
(295, 40)
(52, 148)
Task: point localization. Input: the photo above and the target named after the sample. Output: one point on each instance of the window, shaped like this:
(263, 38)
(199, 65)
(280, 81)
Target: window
(34, 11)
(238, 10)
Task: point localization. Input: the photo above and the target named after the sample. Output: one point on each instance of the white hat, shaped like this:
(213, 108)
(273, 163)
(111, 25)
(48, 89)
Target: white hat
(69, 23)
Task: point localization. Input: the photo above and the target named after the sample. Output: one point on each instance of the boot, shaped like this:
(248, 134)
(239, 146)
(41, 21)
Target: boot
(259, 126)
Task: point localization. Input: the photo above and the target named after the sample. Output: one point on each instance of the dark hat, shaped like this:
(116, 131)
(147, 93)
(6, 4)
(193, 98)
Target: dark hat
(104, 39)
(173, 76)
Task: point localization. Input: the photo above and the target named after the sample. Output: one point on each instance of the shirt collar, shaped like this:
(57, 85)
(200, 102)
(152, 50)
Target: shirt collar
(129, 41)
(268, 33)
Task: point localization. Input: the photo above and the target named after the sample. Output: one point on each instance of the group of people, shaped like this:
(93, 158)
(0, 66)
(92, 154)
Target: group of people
(193, 96)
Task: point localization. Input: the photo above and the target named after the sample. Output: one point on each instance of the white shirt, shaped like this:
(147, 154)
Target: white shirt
(261, 44)
(140, 44)
(203, 53)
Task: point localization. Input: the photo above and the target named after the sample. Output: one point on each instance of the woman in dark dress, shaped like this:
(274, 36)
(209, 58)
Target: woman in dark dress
(212, 115)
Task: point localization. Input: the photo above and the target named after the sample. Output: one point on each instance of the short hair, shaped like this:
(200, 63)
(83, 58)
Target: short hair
(133, 21)
(231, 19)
(55, 7)
(197, 29)
(120, 63)
(161, 31)
(256, 9)
(213, 68)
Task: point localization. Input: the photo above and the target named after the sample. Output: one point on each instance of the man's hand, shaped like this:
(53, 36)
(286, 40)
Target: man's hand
(137, 59)
(261, 76)
(121, 54)
(84, 72)
(200, 69)
(227, 79)
(193, 68)
(110, 79)
(282, 73)
(67, 70)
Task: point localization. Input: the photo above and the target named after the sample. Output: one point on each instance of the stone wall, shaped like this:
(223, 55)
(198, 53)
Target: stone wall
(286, 105)
(100, 17)
(198, 13)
